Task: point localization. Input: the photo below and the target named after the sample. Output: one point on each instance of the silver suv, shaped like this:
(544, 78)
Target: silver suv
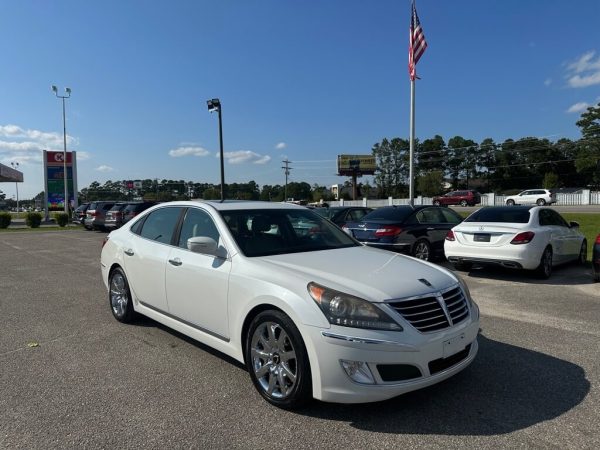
(95, 215)
(538, 197)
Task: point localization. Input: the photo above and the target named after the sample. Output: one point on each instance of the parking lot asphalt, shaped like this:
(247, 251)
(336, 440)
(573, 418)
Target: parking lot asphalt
(71, 376)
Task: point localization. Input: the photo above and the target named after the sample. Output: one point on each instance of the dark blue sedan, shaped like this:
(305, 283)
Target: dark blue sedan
(415, 230)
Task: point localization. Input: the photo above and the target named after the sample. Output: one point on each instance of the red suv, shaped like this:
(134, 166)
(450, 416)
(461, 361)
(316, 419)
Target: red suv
(462, 198)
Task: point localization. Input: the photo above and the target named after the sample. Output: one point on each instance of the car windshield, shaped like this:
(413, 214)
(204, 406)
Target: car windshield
(505, 214)
(261, 232)
(328, 213)
(395, 213)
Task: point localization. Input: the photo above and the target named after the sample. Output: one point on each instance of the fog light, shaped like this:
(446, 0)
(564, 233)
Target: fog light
(358, 371)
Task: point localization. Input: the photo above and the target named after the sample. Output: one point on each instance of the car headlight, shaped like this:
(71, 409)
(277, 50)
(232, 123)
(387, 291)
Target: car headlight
(349, 311)
(473, 306)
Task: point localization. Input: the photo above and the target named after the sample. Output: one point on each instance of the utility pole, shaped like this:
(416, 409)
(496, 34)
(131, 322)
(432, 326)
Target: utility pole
(287, 172)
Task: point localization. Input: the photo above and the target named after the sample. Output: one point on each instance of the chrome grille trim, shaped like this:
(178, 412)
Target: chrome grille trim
(433, 312)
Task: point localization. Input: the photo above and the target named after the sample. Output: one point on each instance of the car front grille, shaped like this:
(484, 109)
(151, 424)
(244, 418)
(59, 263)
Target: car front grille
(434, 312)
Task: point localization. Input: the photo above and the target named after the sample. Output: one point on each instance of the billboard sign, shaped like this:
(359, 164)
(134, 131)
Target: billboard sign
(350, 165)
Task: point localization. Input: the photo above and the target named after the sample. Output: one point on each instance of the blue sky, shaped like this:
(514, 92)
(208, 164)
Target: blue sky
(303, 80)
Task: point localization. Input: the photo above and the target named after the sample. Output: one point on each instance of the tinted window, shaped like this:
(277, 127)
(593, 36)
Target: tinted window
(395, 213)
(557, 219)
(430, 215)
(197, 223)
(160, 224)
(508, 214)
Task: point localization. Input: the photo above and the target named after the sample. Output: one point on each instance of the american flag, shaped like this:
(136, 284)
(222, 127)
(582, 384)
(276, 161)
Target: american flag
(416, 43)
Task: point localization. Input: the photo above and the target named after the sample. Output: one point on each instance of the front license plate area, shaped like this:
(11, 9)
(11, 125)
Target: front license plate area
(481, 237)
(454, 345)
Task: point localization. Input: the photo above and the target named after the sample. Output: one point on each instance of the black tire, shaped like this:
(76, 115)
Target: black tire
(544, 270)
(596, 273)
(464, 203)
(540, 202)
(510, 203)
(271, 335)
(463, 266)
(119, 297)
(436, 203)
(422, 250)
(582, 253)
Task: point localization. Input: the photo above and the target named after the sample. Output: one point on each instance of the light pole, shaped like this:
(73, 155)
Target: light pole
(67, 95)
(215, 105)
(15, 165)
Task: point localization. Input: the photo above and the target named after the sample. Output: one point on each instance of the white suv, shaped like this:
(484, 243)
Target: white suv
(538, 197)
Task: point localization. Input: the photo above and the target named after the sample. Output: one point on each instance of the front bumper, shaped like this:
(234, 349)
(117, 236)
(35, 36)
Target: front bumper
(386, 353)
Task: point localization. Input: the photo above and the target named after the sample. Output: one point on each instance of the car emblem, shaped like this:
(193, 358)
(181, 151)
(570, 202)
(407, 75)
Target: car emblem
(362, 225)
(481, 228)
(425, 282)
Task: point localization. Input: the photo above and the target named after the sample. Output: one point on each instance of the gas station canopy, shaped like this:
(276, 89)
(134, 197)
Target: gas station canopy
(8, 174)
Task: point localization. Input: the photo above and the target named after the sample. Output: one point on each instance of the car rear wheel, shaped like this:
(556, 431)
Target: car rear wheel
(422, 250)
(540, 202)
(463, 203)
(119, 296)
(544, 270)
(510, 203)
(583, 253)
(277, 361)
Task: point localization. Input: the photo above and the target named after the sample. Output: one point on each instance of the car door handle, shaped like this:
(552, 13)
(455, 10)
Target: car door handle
(128, 252)
(175, 262)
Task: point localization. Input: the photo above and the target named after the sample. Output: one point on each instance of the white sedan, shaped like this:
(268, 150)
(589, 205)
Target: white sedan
(520, 237)
(309, 310)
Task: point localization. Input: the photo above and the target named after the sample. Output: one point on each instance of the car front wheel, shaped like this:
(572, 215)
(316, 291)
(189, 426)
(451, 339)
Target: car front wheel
(436, 203)
(119, 296)
(544, 270)
(510, 203)
(277, 361)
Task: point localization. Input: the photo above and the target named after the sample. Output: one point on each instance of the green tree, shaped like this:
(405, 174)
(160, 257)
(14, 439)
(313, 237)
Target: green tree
(588, 154)
(430, 183)
(392, 157)
(550, 181)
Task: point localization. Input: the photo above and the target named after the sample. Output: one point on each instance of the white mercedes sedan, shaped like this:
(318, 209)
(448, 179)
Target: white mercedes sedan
(310, 311)
(520, 237)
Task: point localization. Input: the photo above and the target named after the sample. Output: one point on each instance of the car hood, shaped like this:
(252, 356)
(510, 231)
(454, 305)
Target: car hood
(373, 274)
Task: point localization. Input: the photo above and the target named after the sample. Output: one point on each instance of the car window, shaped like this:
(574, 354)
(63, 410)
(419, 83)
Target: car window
(357, 214)
(281, 231)
(160, 224)
(430, 215)
(504, 214)
(450, 216)
(395, 213)
(544, 218)
(197, 223)
(557, 219)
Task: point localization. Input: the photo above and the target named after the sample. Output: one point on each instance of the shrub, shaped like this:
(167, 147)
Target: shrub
(33, 219)
(62, 219)
(5, 219)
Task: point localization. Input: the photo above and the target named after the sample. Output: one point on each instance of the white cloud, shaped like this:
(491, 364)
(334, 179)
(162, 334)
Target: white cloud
(578, 107)
(104, 168)
(547, 81)
(245, 156)
(42, 137)
(584, 71)
(188, 151)
(280, 146)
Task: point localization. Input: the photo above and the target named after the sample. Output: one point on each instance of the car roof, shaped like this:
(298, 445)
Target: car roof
(232, 205)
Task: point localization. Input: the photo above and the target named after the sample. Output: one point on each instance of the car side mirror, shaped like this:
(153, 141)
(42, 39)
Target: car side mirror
(203, 244)
(574, 224)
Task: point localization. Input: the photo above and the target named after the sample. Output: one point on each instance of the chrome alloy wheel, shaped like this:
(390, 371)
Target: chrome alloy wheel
(422, 251)
(119, 295)
(274, 360)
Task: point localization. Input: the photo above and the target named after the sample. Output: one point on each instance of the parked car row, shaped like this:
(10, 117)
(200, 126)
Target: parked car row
(108, 215)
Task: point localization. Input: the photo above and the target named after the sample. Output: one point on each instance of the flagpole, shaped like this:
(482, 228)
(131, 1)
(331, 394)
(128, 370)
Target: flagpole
(411, 176)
